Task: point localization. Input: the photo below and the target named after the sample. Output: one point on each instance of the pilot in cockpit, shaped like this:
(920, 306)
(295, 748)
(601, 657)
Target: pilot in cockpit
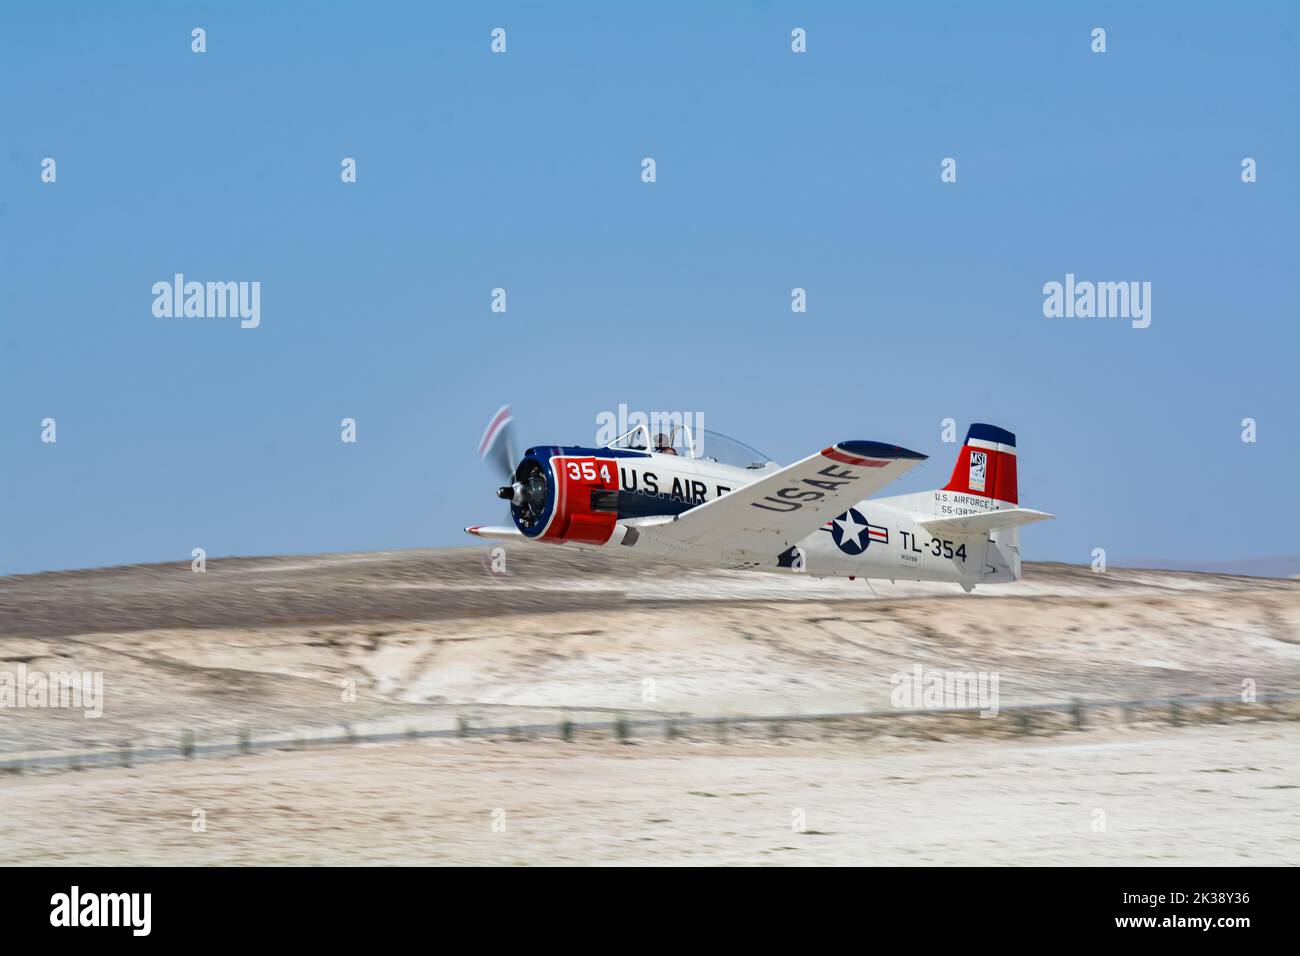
(664, 444)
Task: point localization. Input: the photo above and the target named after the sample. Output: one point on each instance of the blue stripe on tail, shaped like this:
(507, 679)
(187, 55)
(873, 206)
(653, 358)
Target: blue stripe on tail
(991, 433)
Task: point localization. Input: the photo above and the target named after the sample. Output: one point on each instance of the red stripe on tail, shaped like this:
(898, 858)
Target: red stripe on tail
(985, 472)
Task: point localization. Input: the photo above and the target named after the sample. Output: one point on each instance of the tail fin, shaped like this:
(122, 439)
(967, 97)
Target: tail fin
(986, 466)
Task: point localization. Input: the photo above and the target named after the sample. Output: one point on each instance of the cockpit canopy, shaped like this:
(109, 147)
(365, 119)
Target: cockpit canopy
(704, 445)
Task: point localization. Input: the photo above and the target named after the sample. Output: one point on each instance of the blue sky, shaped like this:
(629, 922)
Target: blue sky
(522, 171)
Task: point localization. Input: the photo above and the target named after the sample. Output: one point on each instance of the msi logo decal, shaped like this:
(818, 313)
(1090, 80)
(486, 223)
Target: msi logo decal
(978, 461)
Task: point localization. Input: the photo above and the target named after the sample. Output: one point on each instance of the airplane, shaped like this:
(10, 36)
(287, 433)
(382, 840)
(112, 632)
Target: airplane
(709, 501)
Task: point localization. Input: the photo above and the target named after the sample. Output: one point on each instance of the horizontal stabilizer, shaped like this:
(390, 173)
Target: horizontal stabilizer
(984, 521)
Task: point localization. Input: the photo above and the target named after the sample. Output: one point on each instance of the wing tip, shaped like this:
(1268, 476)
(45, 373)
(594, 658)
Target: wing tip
(879, 450)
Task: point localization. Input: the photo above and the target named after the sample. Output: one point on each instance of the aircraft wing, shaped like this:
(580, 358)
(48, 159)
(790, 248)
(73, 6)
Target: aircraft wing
(771, 514)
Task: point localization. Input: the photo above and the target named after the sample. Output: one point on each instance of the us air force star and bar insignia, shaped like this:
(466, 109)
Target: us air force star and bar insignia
(853, 533)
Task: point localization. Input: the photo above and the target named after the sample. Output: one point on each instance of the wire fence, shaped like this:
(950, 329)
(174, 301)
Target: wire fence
(1014, 720)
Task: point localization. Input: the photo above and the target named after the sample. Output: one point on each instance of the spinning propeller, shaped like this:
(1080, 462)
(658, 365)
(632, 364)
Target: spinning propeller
(525, 487)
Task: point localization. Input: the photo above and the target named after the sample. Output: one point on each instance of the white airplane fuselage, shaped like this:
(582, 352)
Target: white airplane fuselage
(878, 538)
(809, 517)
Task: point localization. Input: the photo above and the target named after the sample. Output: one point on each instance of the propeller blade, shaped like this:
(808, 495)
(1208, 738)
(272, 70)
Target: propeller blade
(498, 447)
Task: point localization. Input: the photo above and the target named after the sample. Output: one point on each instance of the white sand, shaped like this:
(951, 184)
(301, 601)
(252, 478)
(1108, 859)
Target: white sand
(1199, 795)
